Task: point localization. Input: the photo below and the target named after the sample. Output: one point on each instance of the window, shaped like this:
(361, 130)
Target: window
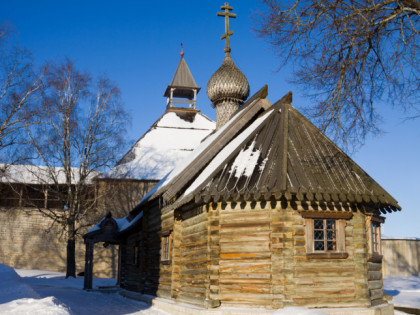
(166, 248)
(325, 234)
(373, 226)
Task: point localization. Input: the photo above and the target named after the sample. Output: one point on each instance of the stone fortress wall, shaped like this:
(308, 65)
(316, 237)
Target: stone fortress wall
(401, 257)
(30, 240)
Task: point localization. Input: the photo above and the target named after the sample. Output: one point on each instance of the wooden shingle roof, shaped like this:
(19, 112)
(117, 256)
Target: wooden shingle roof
(282, 155)
(183, 82)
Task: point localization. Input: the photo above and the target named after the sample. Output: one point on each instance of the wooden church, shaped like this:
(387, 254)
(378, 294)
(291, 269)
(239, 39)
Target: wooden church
(267, 212)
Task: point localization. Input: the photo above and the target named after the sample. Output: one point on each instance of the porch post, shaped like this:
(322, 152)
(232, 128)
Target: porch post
(119, 265)
(88, 265)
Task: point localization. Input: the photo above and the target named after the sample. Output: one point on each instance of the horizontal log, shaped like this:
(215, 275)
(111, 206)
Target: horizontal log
(374, 266)
(256, 267)
(374, 275)
(198, 243)
(195, 220)
(194, 254)
(244, 281)
(194, 263)
(196, 237)
(243, 276)
(317, 292)
(245, 247)
(239, 256)
(257, 298)
(332, 275)
(167, 215)
(200, 227)
(327, 268)
(376, 294)
(245, 288)
(245, 237)
(255, 225)
(375, 284)
(198, 291)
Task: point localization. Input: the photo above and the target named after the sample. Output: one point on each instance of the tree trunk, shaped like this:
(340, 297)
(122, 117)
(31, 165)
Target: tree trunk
(71, 258)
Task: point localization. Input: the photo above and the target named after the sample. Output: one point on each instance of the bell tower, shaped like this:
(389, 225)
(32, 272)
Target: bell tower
(182, 92)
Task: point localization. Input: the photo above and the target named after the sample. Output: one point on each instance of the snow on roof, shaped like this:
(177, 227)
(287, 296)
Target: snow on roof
(245, 164)
(164, 182)
(125, 223)
(122, 223)
(32, 174)
(169, 141)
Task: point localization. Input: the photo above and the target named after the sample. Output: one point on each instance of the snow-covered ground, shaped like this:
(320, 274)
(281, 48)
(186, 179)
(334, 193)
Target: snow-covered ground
(405, 291)
(38, 292)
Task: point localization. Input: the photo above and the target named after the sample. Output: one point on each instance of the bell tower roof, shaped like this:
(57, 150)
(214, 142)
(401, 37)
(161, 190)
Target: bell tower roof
(183, 83)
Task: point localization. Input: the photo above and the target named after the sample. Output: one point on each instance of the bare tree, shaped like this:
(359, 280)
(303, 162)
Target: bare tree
(350, 56)
(81, 132)
(20, 90)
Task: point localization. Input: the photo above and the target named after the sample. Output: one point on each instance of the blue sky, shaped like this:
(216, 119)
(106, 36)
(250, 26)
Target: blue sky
(137, 44)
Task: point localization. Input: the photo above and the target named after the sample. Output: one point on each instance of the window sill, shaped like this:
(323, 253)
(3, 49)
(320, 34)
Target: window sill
(327, 255)
(165, 262)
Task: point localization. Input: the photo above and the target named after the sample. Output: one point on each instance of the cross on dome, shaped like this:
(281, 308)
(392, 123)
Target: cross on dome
(227, 15)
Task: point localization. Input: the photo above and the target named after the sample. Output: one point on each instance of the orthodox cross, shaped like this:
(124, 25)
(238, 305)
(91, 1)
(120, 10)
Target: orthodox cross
(227, 15)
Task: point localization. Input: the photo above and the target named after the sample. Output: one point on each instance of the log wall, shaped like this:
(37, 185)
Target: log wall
(245, 255)
(329, 282)
(254, 254)
(165, 272)
(193, 257)
(263, 260)
(131, 271)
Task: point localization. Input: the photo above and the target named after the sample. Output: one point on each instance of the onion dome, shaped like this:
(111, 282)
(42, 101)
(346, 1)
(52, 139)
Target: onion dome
(228, 83)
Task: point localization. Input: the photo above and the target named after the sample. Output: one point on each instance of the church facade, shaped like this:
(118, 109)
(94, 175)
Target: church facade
(267, 212)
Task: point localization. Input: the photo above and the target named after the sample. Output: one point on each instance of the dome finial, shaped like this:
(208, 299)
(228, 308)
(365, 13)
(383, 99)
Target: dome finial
(182, 50)
(228, 87)
(227, 33)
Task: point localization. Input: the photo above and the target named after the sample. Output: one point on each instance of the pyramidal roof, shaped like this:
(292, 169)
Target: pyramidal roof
(183, 81)
(168, 141)
(267, 152)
